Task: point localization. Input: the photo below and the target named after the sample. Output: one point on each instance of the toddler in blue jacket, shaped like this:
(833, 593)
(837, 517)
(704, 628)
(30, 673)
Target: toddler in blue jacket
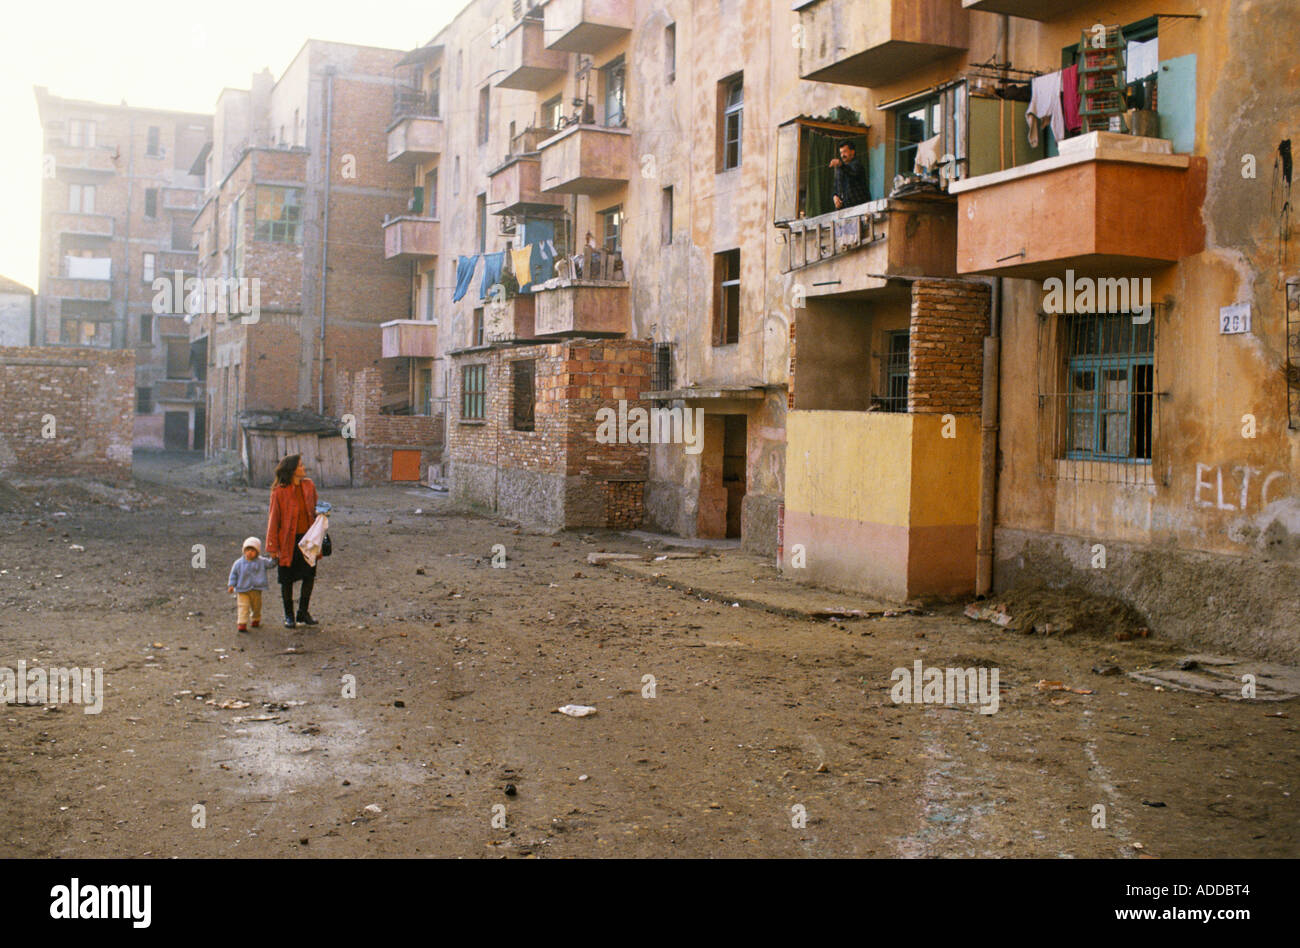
(247, 580)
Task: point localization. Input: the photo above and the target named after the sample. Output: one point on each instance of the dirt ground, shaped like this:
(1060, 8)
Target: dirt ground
(768, 734)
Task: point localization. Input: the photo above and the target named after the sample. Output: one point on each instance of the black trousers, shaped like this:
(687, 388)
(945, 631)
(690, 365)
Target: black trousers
(297, 571)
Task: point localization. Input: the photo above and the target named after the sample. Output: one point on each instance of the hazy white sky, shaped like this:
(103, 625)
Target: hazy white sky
(161, 53)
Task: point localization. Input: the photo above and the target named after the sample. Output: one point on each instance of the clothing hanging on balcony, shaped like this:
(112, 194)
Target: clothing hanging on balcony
(1142, 59)
(464, 275)
(927, 155)
(521, 259)
(1045, 107)
(493, 264)
(1070, 98)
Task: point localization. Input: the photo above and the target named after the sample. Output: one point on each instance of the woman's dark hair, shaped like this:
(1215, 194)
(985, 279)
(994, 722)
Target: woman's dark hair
(284, 470)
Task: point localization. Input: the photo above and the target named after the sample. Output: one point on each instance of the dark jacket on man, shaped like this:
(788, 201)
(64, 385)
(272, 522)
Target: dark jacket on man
(851, 182)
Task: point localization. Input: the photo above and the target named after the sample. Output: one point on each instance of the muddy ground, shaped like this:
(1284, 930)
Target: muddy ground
(459, 667)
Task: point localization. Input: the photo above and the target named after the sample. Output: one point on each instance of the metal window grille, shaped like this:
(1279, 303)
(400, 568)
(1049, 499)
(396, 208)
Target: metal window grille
(1293, 352)
(1098, 398)
(897, 371)
(663, 367)
(473, 392)
(523, 383)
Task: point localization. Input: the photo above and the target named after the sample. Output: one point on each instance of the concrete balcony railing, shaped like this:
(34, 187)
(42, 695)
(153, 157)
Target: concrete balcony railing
(415, 138)
(1108, 204)
(72, 288)
(409, 338)
(178, 390)
(1028, 9)
(526, 63)
(586, 159)
(875, 42)
(99, 158)
(857, 249)
(184, 260)
(513, 318)
(410, 237)
(516, 187)
(583, 308)
(587, 26)
(182, 199)
(84, 225)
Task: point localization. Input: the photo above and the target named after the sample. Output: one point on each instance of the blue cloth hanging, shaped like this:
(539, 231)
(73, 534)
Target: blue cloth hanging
(493, 264)
(465, 267)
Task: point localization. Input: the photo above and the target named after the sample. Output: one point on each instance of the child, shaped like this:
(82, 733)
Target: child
(247, 580)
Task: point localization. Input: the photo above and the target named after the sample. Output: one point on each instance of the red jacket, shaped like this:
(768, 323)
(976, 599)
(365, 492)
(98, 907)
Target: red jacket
(283, 519)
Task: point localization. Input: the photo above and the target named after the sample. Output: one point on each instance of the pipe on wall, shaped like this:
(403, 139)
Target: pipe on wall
(989, 443)
(325, 231)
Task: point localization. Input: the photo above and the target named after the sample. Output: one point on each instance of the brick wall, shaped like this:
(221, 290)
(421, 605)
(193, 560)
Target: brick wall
(378, 435)
(91, 395)
(948, 325)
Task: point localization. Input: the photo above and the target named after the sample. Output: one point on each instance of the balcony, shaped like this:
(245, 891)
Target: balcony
(1107, 203)
(875, 42)
(855, 251)
(1043, 10)
(586, 159)
(516, 187)
(513, 318)
(184, 260)
(596, 304)
(410, 237)
(99, 158)
(415, 138)
(526, 62)
(182, 199)
(178, 390)
(74, 288)
(83, 225)
(587, 26)
(410, 339)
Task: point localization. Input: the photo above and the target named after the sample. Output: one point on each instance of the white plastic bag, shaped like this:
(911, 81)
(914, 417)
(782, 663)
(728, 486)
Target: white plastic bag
(311, 541)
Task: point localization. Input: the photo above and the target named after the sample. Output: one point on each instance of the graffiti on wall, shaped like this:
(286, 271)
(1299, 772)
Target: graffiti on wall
(1238, 487)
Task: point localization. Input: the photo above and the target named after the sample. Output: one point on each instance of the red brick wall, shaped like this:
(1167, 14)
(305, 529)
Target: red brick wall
(378, 435)
(91, 395)
(948, 325)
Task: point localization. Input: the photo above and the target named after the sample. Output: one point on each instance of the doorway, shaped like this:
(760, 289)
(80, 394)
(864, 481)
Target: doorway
(723, 476)
(176, 431)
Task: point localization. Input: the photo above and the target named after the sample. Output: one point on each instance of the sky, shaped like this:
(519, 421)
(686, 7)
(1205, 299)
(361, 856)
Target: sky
(163, 54)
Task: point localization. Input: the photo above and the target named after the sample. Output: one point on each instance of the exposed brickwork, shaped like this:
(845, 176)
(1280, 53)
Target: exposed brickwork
(948, 325)
(574, 380)
(378, 435)
(90, 394)
(790, 383)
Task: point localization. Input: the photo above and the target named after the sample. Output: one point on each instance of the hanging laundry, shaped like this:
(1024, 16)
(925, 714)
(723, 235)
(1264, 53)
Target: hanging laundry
(927, 155)
(493, 264)
(465, 267)
(550, 249)
(1070, 98)
(543, 261)
(522, 261)
(1045, 107)
(1141, 60)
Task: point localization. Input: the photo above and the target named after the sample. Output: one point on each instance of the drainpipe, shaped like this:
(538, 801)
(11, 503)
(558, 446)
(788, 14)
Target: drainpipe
(989, 443)
(325, 234)
(1004, 39)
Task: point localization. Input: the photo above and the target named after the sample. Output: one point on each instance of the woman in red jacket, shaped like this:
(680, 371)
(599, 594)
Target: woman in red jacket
(293, 508)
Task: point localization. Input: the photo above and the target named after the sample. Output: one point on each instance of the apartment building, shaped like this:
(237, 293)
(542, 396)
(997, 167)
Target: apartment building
(118, 195)
(297, 183)
(1134, 338)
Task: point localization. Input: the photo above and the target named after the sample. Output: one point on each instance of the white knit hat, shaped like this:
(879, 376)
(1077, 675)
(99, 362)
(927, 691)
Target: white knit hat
(254, 542)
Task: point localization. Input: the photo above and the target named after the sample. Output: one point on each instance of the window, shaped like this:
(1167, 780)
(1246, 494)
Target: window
(896, 370)
(666, 217)
(484, 114)
(732, 97)
(553, 112)
(236, 259)
(523, 392)
(476, 330)
(81, 133)
(455, 176)
(670, 51)
(480, 218)
(86, 332)
(615, 82)
(612, 229)
(297, 124)
(430, 294)
(473, 392)
(148, 267)
(153, 146)
(942, 114)
(726, 298)
(423, 391)
(143, 401)
(146, 327)
(663, 367)
(278, 218)
(431, 193)
(81, 198)
(1110, 387)
(435, 92)
(150, 202)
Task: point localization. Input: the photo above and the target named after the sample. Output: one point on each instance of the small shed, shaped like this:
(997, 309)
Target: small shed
(269, 436)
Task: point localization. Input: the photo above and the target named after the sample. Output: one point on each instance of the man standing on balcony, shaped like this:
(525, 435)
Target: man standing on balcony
(850, 185)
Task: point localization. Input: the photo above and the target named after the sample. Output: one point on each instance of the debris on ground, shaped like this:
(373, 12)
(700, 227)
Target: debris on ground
(1044, 611)
(1044, 685)
(576, 710)
(1234, 678)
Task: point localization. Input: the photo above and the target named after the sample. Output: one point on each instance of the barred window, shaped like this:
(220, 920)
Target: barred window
(896, 371)
(473, 392)
(523, 387)
(278, 215)
(1109, 388)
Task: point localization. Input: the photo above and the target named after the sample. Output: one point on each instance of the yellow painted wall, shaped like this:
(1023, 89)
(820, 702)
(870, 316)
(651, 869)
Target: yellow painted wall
(851, 465)
(945, 479)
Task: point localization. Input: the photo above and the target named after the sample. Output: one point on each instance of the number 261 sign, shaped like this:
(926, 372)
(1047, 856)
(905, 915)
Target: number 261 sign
(1234, 318)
